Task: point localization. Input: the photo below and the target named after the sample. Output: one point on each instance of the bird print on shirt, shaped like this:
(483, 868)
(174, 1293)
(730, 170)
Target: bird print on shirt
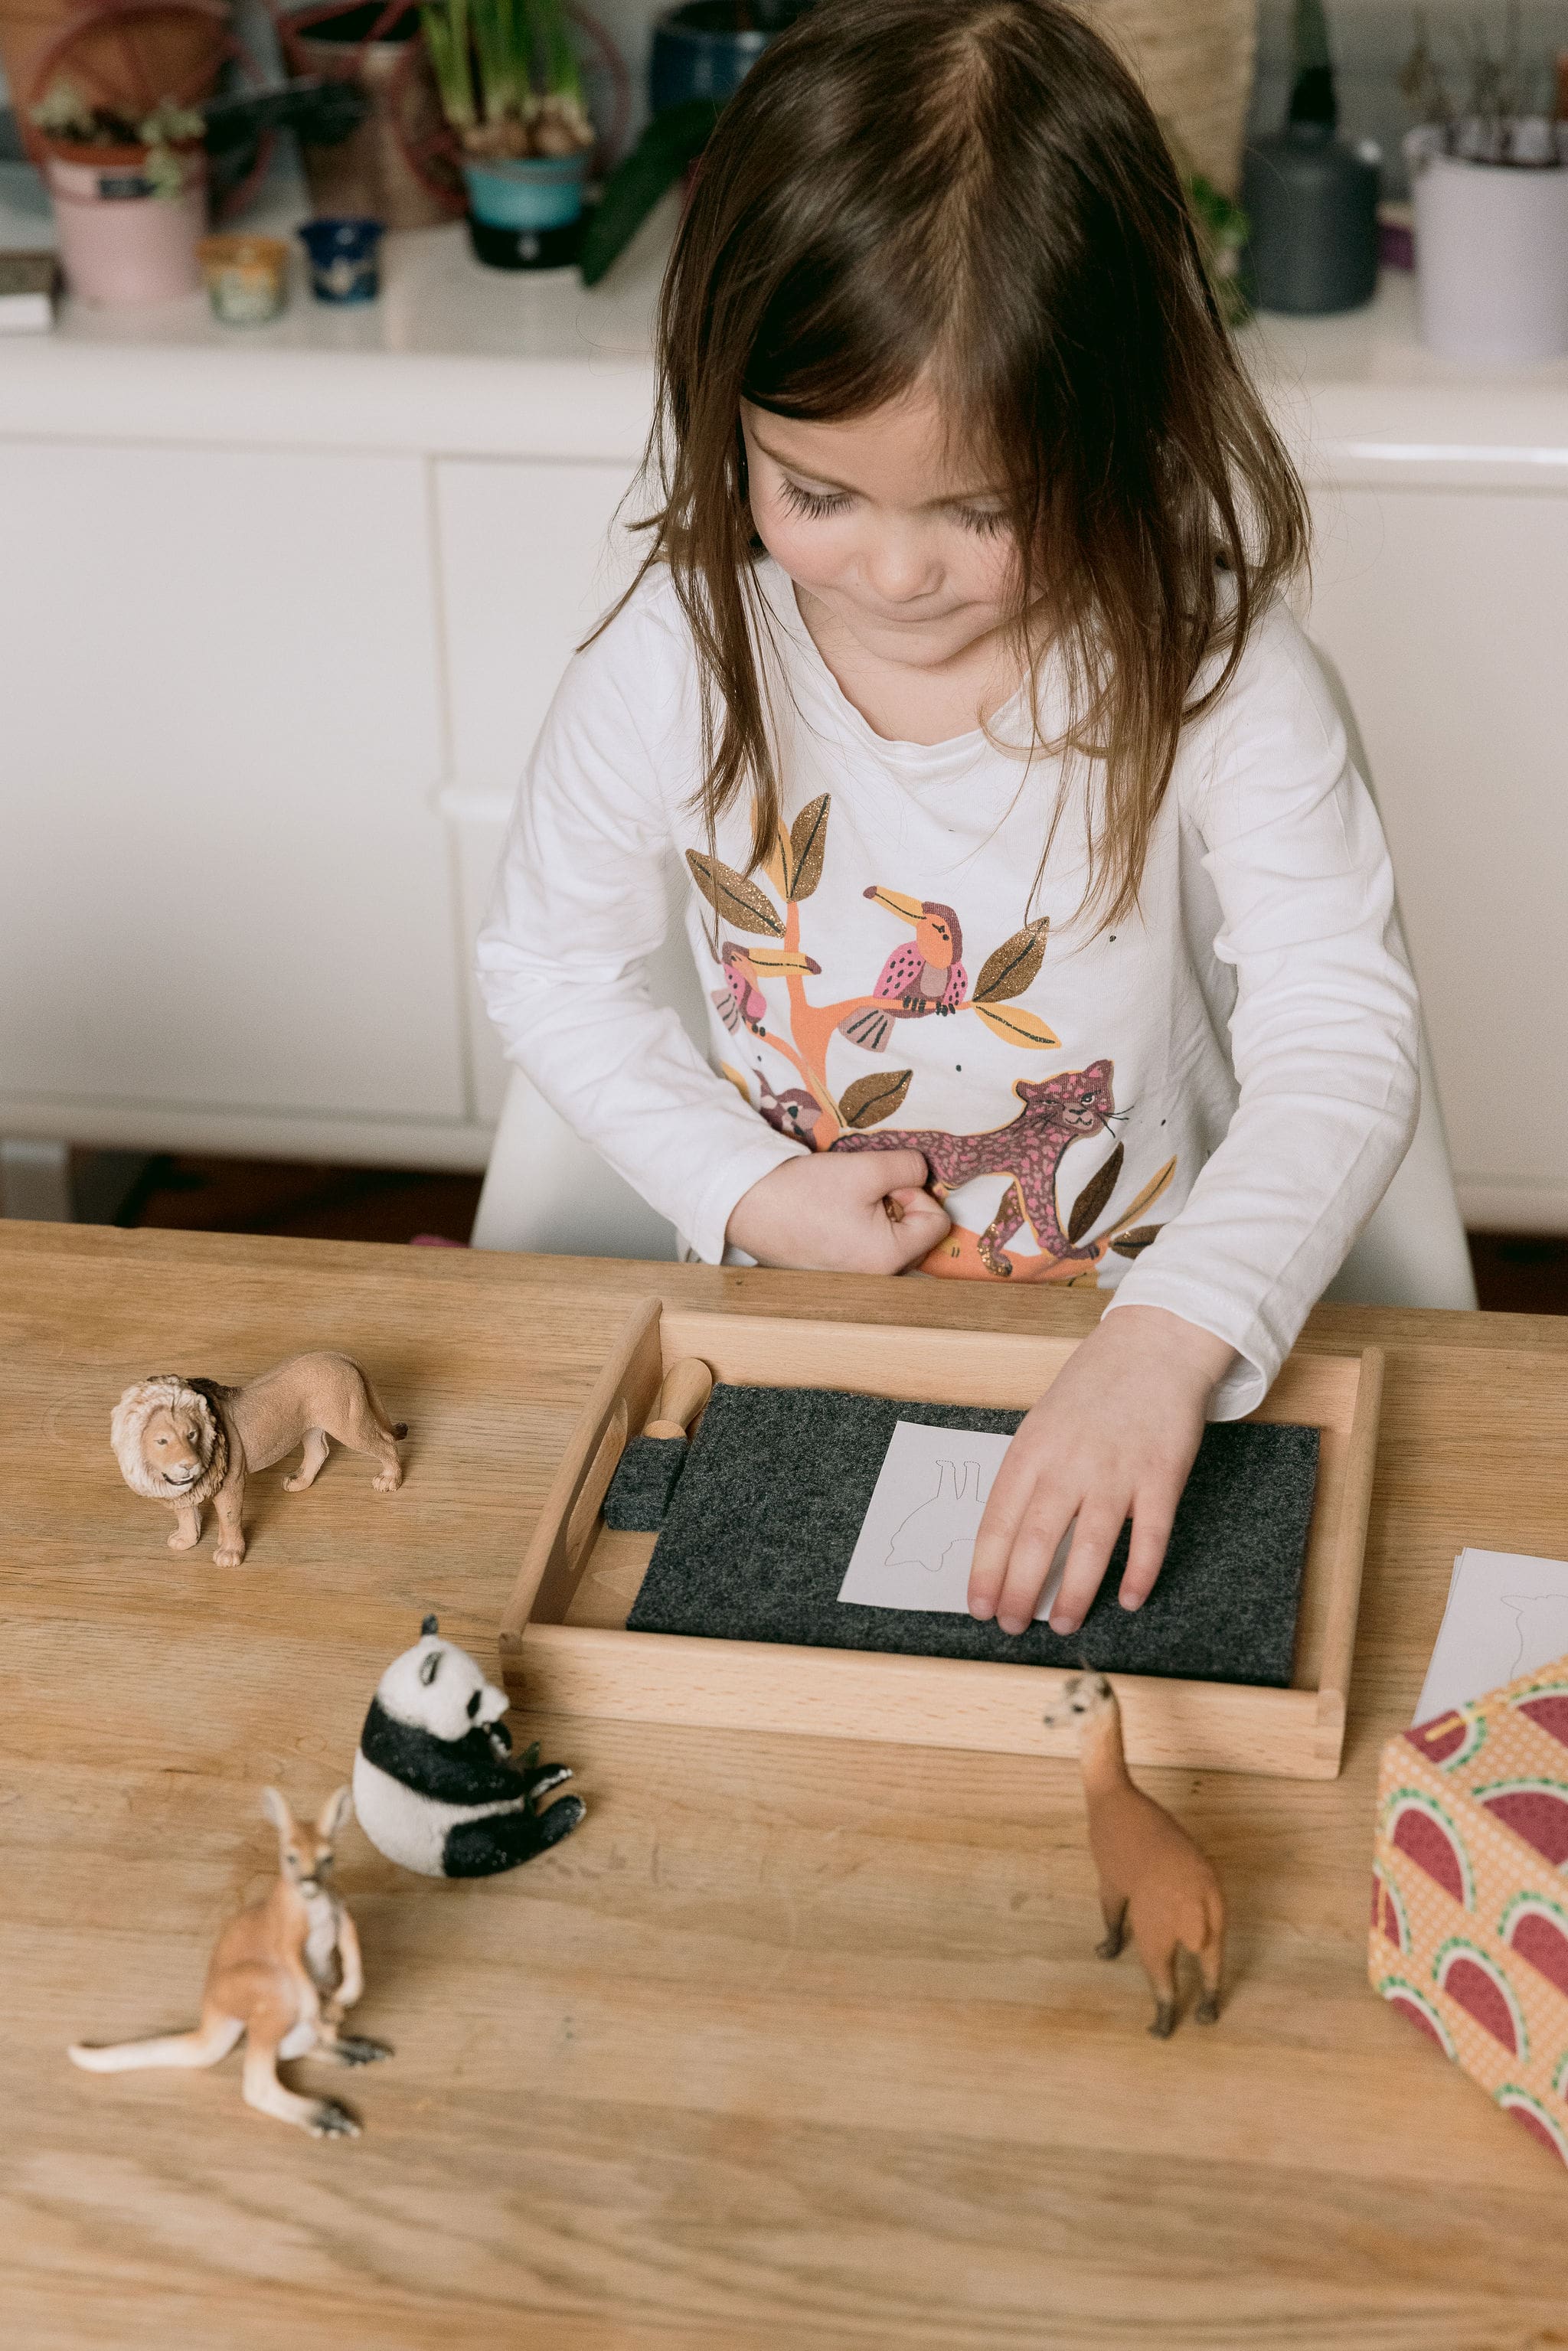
(740, 1002)
(925, 974)
(921, 978)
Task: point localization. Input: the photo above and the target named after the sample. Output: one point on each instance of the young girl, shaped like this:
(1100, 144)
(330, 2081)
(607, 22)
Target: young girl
(1049, 933)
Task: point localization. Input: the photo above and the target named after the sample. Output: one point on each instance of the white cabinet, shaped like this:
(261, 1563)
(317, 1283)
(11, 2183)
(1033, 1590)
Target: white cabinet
(478, 832)
(225, 891)
(530, 556)
(1445, 612)
(529, 560)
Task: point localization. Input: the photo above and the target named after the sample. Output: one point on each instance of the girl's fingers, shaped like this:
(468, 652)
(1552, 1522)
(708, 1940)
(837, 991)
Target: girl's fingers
(914, 1199)
(1095, 1539)
(876, 1172)
(914, 1226)
(917, 1227)
(1151, 1519)
(1035, 1545)
(1003, 1515)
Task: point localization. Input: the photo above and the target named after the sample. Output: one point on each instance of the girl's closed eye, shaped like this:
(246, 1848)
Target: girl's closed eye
(984, 521)
(800, 500)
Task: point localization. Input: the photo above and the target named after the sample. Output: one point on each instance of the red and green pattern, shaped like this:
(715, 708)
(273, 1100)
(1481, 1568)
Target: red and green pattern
(1478, 1986)
(1417, 1825)
(1415, 2005)
(1452, 1739)
(1537, 1930)
(1467, 1934)
(1547, 1707)
(1388, 1912)
(1535, 1810)
(1530, 2111)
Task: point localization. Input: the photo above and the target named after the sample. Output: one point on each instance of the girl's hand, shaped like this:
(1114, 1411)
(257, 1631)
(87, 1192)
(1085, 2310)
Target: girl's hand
(830, 1212)
(1111, 1438)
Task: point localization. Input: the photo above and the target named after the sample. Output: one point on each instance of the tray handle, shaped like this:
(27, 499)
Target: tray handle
(621, 1399)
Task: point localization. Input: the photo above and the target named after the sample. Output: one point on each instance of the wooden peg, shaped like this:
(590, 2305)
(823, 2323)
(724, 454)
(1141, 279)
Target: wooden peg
(687, 1387)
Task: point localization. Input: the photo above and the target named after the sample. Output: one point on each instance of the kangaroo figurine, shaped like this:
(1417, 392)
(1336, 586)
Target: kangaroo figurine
(282, 1973)
(1152, 1875)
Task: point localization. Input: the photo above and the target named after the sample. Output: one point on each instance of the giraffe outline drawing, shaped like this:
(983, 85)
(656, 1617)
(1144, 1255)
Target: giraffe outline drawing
(944, 1522)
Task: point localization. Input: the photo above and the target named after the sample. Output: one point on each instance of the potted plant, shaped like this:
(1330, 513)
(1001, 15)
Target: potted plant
(511, 89)
(702, 52)
(130, 197)
(124, 53)
(1196, 63)
(399, 165)
(1491, 190)
(704, 49)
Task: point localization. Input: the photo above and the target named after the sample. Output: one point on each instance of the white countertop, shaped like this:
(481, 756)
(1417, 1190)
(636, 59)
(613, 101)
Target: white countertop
(457, 359)
(1361, 399)
(454, 359)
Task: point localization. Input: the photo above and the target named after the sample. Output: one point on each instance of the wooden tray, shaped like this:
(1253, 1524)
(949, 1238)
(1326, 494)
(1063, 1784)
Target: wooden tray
(565, 1648)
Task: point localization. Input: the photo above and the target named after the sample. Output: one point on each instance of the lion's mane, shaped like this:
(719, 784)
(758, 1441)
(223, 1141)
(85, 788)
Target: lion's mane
(129, 1425)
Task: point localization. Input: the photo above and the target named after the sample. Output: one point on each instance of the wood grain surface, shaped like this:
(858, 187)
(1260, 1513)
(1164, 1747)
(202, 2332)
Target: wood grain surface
(797, 2044)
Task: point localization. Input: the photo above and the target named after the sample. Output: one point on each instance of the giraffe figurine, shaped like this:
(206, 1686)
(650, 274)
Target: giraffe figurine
(1153, 1878)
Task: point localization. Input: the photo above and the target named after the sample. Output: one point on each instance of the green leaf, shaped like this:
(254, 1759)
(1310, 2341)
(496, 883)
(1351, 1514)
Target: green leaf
(733, 898)
(871, 1100)
(1090, 1202)
(808, 841)
(1015, 964)
(1134, 1244)
(670, 141)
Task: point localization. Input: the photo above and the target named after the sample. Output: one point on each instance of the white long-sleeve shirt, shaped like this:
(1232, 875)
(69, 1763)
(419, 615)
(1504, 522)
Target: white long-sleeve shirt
(1200, 1106)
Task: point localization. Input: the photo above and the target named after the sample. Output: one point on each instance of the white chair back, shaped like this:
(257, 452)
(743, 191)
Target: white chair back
(1414, 1251)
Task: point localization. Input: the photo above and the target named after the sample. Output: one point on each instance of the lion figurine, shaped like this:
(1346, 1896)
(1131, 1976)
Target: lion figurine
(189, 1442)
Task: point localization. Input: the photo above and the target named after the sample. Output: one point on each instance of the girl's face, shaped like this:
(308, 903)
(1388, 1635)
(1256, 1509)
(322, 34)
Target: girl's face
(889, 523)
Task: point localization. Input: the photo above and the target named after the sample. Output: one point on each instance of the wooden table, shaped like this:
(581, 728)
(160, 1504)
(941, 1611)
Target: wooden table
(795, 2046)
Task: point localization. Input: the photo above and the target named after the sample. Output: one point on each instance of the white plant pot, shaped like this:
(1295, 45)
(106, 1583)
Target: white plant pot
(1491, 251)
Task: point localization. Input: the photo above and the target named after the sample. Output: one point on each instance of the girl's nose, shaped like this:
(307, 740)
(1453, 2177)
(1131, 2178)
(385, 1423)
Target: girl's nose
(903, 565)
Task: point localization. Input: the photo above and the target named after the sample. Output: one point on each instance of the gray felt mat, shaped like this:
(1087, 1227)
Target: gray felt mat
(778, 1481)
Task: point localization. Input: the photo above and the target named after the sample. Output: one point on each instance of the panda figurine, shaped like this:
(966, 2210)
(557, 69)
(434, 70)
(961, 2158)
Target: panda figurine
(434, 1786)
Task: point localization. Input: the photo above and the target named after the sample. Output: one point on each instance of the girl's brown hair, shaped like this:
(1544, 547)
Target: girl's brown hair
(976, 192)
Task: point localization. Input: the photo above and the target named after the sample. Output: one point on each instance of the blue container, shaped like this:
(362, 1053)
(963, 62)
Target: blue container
(526, 214)
(536, 191)
(706, 49)
(345, 255)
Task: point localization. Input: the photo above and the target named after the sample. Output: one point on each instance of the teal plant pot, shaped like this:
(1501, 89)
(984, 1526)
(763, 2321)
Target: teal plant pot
(526, 214)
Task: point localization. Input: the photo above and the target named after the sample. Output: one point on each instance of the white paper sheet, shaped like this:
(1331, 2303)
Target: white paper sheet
(1506, 1615)
(916, 1542)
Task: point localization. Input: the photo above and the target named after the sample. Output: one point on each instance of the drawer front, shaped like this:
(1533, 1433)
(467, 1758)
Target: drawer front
(225, 883)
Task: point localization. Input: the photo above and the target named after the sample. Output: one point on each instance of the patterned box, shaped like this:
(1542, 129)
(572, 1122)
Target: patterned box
(1469, 1893)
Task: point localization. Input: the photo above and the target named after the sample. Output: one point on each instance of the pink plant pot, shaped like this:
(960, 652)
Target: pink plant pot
(118, 245)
